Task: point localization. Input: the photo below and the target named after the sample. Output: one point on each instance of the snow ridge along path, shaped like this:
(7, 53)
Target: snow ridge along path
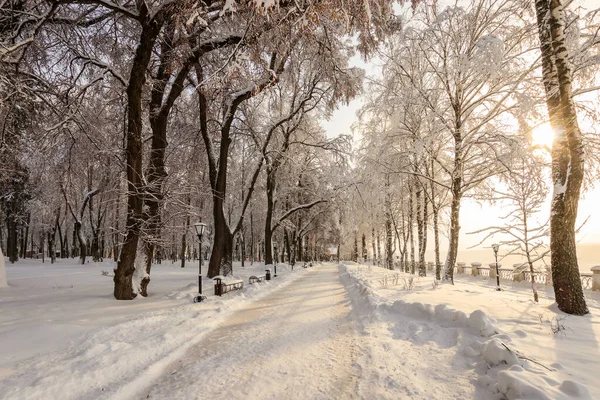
(298, 342)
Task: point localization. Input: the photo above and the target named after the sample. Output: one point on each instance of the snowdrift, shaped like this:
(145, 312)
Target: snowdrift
(502, 371)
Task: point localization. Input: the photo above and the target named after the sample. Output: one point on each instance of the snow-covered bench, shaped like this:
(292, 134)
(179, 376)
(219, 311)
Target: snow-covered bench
(255, 278)
(223, 286)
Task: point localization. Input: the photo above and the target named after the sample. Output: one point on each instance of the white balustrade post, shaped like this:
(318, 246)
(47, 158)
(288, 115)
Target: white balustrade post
(596, 278)
(518, 275)
(474, 268)
(460, 267)
(493, 270)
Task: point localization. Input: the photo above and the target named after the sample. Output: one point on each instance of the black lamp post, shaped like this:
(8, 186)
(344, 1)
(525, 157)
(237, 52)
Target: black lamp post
(496, 247)
(199, 227)
(275, 258)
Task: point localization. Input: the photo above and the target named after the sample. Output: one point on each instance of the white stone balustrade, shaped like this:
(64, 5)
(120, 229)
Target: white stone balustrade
(520, 272)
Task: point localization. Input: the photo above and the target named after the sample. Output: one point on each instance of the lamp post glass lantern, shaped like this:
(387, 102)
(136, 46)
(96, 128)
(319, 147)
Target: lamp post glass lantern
(275, 258)
(496, 247)
(200, 228)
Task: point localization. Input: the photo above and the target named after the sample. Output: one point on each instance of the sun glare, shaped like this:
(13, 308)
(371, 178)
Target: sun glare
(542, 135)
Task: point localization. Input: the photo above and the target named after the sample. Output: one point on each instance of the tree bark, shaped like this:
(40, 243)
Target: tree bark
(269, 215)
(373, 245)
(115, 234)
(389, 260)
(411, 223)
(252, 250)
(421, 212)
(457, 192)
(567, 157)
(11, 235)
(436, 231)
(78, 233)
(25, 237)
(378, 249)
(123, 289)
(364, 248)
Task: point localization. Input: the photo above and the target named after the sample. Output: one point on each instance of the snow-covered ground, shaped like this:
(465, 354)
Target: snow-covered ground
(349, 331)
(63, 336)
(470, 341)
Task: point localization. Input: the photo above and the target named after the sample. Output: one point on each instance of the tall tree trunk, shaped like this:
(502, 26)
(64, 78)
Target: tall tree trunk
(156, 174)
(364, 248)
(421, 211)
(300, 249)
(567, 157)
(63, 250)
(436, 231)
(32, 244)
(423, 244)
(78, 232)
(436, 238)
(123, 278)
(75, 242)
(293, 249)
(288, 247)
(457, 192)
(269, 215)
(52, 238)
(378, 248)
(389, 258)
(186, 228)
(222, 251)
(115, 234)
(67, 247)
(161, 103)
(252, 250)
(41, 247)
(411, 223)
(355, 252)
(25, 237)
(11, 236)
(243, 245)
(373, 245)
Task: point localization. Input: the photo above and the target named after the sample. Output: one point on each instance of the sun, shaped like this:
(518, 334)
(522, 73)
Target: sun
(543, 135)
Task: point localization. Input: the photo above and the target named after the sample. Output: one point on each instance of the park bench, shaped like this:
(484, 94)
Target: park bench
(223, 286)
(255, 278)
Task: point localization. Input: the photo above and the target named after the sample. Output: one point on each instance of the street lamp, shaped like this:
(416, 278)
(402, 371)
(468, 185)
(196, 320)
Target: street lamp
(275, 262)
(199, 227)
(496, 247)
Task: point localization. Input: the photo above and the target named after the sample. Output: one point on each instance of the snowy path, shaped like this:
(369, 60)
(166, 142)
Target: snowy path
(297, 342)
(327, 332)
